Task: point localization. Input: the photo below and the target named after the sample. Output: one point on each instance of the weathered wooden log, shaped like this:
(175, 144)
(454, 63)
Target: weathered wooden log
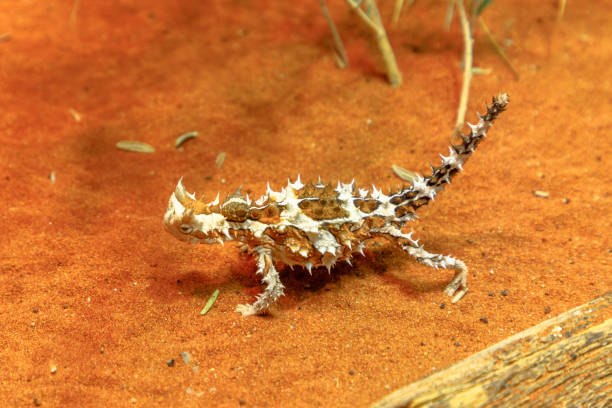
(563, 362)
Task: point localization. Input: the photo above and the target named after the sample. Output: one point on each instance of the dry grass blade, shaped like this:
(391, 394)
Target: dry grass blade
(135, 146)
(448, 18)
(75, 115)
(561, 13)
(481, 71)
(340, 53)
(404, 174)
(210, 302)
(397, 10)
(497, 47)
(220, 159)
(184, 137)
(355, 4)
(467, 67)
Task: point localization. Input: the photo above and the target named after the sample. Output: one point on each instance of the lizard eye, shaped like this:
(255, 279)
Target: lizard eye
(185, 228)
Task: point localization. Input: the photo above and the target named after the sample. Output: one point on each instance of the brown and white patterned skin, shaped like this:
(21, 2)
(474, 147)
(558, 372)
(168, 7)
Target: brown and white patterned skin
(318, 224)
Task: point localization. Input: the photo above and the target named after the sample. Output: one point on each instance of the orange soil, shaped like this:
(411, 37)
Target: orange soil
(93, 286)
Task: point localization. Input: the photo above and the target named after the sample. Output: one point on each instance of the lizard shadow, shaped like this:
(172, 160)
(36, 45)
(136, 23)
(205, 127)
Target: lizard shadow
(397, 268)
(300, 284)
(238, 277)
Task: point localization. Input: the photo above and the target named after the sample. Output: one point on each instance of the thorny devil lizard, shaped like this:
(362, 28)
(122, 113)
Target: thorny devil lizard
(316, 225)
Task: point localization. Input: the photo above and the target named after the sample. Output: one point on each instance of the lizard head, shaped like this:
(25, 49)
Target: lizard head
(194, 221)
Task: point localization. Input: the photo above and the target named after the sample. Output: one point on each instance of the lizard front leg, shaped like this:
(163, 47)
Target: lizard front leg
(274, 287)
(457, 286)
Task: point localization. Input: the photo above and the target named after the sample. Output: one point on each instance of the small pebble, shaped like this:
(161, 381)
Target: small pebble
(457, 344)
(442, 306)
(35, 310)
(53, 369)
(484, 320)
(565, 201)
(185, 356)
(351, 372)
(504, 292)
(491, 294)
(541, 194)
(547, 310)
(37, 402)
(170, 362)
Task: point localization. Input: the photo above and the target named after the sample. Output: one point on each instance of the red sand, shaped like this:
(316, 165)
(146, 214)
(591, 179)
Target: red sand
(93, 286)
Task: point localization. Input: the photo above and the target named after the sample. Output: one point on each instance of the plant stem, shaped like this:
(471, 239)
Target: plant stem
(467, 67)
(341, 57)
(372, 18)
(393, 74)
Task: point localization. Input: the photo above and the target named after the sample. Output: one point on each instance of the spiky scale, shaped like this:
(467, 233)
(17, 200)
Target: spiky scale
(308, 266)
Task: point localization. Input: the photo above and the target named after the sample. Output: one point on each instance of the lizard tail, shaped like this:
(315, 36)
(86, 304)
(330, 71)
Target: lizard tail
(424, 189)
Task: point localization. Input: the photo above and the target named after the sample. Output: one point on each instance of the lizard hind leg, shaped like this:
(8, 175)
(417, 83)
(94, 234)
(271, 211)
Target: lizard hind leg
(274, 287)
(457, 286)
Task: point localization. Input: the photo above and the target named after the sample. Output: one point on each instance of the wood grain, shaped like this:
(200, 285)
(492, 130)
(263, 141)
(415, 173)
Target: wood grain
(565, 361)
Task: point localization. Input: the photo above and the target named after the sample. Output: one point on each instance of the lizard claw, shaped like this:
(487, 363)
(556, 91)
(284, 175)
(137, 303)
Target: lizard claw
(458, 286)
